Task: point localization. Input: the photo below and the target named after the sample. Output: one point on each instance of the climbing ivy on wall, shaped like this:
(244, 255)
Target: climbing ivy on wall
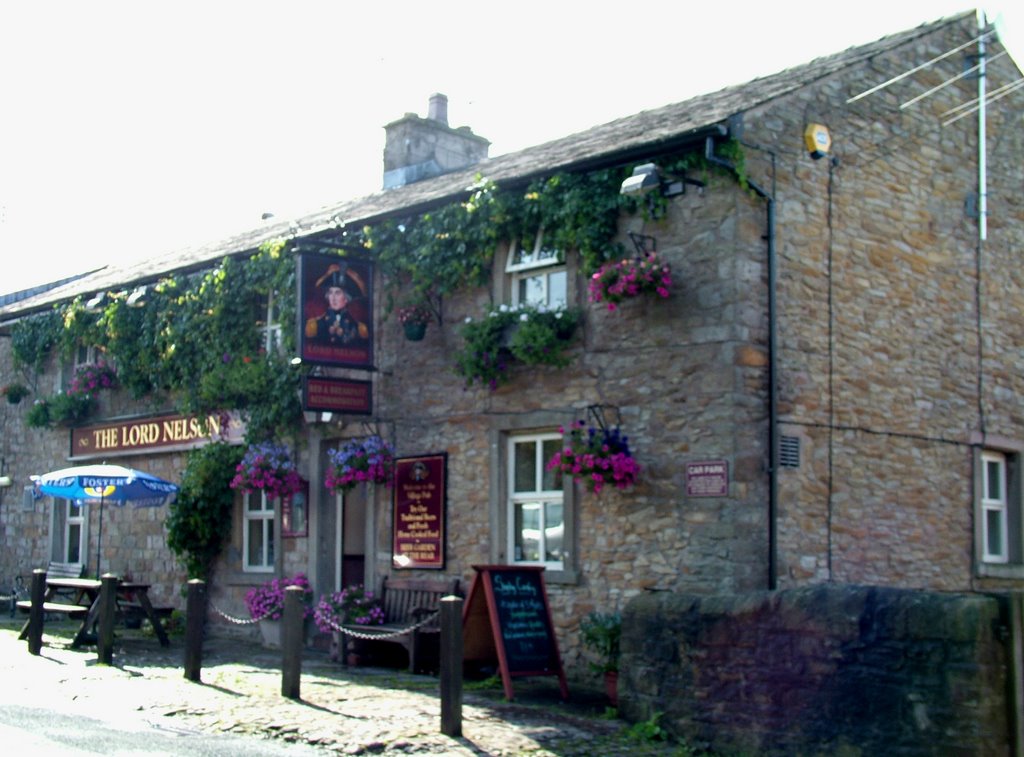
(199, 520)
(194, 331)
(431, 254)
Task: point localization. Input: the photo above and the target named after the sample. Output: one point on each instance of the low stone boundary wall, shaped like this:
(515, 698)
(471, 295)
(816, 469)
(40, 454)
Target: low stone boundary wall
(823, 670)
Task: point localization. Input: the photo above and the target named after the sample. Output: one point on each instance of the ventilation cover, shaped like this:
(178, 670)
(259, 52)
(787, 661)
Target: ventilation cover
(789, 452)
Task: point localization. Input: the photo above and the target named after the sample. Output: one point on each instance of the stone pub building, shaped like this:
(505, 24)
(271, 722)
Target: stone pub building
(825, 410)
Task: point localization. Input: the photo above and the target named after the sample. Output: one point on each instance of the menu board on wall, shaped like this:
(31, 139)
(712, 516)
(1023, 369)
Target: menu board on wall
(419, 523)
(507, 616)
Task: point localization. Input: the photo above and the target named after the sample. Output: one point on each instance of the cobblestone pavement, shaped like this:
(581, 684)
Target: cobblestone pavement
(342, 710)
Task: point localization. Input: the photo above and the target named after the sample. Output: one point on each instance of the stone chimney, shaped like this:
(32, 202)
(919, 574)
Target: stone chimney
(420, 148)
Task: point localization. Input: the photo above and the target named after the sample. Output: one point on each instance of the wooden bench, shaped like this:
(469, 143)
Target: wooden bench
(406, 602)
(73, 609)
(63, 570)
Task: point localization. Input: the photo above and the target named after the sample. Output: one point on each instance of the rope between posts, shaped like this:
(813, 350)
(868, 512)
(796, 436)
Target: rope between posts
(380, 636)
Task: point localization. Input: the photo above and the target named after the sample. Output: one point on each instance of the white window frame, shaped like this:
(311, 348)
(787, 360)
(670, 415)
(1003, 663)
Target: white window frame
(265, 517)
(994, 502)
(272, 342)
(84, 355)
(541, 262)
(63, 520)
(543, 498)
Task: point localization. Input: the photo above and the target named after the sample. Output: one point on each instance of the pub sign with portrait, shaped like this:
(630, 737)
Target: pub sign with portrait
(335, 310)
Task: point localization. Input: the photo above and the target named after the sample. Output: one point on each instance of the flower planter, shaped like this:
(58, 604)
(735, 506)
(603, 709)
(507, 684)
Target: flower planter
(414, 332)
(270, 630)
(611, 687)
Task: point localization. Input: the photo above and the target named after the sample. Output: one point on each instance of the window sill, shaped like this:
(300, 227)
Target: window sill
(248, 577)
(995, 570)
(565, 577)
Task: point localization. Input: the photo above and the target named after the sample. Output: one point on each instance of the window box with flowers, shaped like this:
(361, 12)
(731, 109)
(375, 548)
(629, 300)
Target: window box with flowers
(414, 320)
(527, 334)
(597, 456)
(266, 605)
(92, 377)
(631, 277)
(75, 405)
(369, 460)
(269, 468)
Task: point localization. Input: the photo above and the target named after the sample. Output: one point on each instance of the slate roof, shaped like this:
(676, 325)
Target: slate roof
(625, 139)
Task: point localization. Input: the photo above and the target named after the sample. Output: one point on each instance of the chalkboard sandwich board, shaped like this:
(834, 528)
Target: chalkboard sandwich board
(507, 619)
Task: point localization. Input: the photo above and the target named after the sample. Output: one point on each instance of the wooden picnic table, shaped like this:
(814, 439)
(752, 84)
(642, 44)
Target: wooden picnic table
(84, 596)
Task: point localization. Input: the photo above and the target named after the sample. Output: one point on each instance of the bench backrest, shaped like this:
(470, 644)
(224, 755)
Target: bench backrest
(402, 597)
(64, 570)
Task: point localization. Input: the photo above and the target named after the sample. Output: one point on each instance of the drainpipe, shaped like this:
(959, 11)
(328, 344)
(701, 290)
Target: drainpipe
(773, 408)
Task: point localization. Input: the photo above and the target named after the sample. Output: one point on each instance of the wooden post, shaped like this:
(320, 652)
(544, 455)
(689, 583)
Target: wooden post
(195, 623)
(35, 617)
(291, 642)
(451, 666)
(107, 618)
(1015, 665)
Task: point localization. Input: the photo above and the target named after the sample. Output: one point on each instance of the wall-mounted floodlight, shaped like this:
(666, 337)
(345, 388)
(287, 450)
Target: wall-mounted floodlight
(96, 302)
(647, 177)
(137, 298)
(5, 481)
(644, 178)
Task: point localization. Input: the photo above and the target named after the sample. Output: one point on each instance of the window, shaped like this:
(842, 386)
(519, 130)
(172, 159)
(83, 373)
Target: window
(536, 510)
(998, 498)
(539, 275)
(258, 533)
(994, 507)
(68, 532)
(85, 355)
(270, 327)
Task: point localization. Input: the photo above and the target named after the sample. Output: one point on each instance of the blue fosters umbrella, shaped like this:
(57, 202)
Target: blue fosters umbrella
(107, 483)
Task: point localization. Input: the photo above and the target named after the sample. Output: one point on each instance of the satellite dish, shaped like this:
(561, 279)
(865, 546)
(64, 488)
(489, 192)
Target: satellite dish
(1009, 26)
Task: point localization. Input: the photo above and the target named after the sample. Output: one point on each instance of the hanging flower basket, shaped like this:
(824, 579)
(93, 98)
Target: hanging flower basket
(267, 467)
(360, 461)
(414, 332)
(414, 320)
(14, 393)
(597, 456)
(631, 277)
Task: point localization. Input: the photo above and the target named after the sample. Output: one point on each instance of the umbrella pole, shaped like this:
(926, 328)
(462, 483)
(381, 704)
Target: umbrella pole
(99, 538)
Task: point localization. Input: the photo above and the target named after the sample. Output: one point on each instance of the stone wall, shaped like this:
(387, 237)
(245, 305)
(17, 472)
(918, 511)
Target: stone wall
(895, 323)
(823, 670)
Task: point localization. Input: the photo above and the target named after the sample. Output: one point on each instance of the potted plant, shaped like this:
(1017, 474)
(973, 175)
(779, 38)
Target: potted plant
(15, 392)
(266, 605)
(359, 461)
(414, 319)
(596, 456)
(267, 467)
(631, 277)
(352, 605)
(601, 634)
(528, 334)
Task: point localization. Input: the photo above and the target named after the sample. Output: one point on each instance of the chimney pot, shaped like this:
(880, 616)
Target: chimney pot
(438, 110)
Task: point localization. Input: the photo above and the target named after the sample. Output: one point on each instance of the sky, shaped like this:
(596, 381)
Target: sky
(130, 129)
